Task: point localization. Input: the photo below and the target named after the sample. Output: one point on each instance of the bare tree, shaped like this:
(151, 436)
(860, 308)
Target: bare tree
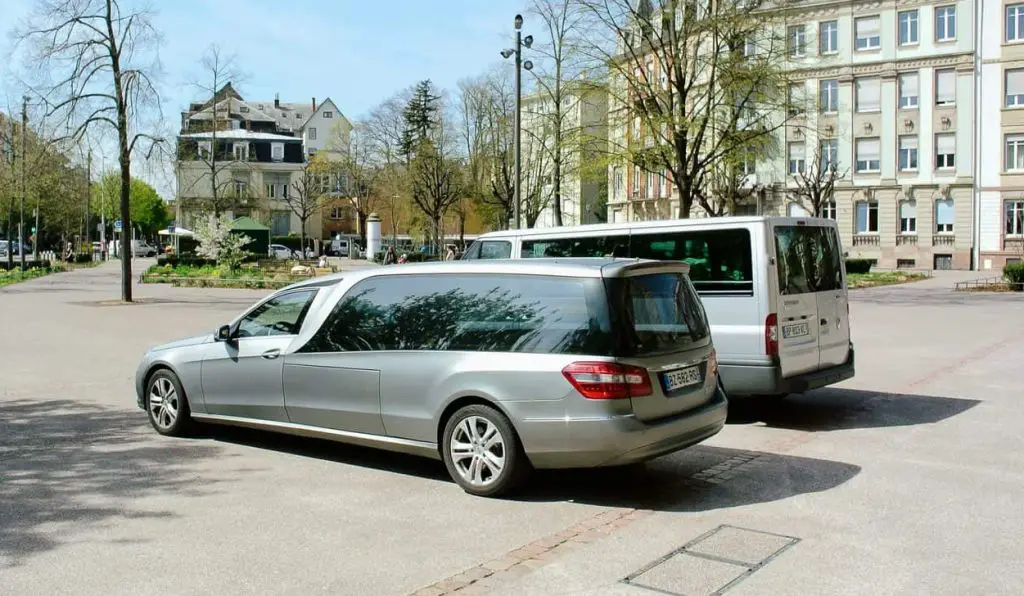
(308, 193)
(436, 180)
(99, 58)
(218, 71)
(355, 173)
(562, 21)
(536, 182)
(817, 179)
(693, 84)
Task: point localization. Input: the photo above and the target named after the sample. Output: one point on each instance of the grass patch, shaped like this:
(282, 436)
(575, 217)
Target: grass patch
(882, 278)
(16, 275)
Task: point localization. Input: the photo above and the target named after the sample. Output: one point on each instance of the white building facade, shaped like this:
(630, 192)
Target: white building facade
(585, 128)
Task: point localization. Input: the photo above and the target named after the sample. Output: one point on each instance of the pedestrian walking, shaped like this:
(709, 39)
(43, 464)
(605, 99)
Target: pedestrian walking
(389, 256)
(450, 254)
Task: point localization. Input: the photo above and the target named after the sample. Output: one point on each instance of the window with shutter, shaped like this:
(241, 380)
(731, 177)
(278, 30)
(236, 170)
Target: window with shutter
(945, 87)
(869, 155)
(869, 94)
(868, 33)
(1015, 87)
(945, 151)
(908, 90)
(944, 216)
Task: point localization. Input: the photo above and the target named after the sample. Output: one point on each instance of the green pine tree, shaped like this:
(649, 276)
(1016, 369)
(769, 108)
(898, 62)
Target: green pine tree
(420, 116)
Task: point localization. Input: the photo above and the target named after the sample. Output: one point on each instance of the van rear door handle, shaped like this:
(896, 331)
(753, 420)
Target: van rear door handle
(271, 354)
(824, 322)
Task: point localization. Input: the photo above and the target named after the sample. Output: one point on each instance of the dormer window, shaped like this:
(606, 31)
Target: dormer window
(204, 149)
(328, 114)
(277, 151)
(298, 115)
(241, 151)
(243, 109)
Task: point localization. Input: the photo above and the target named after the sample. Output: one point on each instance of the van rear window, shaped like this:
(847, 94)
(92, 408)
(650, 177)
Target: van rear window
(658, 313)
(808, 259)
(720, 260)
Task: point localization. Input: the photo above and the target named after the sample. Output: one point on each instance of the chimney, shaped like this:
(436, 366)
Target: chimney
(314, 104)
(277, 100)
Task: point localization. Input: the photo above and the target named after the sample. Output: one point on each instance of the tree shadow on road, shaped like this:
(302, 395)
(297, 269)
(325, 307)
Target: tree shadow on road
(66, 466)
(841, 409)
(701, 478)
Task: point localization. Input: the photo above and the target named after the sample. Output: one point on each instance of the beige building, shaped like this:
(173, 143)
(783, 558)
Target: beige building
(886, 92)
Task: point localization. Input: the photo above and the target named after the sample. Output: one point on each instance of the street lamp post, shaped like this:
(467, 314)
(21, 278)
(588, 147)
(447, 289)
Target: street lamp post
(521, 42)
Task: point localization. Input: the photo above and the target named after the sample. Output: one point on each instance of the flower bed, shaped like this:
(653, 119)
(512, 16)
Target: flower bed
(15, 275)
(209, 276)
(882, 278)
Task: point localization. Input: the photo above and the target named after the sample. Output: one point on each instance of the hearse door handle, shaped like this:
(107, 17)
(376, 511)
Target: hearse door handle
(824, 322)
(271, 354)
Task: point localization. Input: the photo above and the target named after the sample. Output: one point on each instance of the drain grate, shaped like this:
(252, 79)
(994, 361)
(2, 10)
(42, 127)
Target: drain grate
(712, 563)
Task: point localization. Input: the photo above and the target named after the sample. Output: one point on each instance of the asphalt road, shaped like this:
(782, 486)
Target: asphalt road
(906, 479)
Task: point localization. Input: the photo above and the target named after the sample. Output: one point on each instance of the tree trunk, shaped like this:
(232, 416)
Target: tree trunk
(10, 237)
(685, 196)
(302, 239)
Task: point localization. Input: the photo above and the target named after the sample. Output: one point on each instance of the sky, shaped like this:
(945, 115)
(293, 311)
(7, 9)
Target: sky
(357, 52)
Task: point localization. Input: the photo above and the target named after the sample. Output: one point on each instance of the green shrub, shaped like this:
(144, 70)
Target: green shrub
(183, 260)
(29, 263)
(858, 265)
(1014, 273)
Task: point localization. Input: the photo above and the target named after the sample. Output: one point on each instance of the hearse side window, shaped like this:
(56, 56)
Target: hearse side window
(808, 259)
(535, 314)
(590, 246)
(282, 315)
(489, 249)
(720, 260)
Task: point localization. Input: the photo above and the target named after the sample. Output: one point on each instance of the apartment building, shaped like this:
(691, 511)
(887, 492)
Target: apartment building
(1000, 115)
(886, 92)
(584, 133)
(252, 154)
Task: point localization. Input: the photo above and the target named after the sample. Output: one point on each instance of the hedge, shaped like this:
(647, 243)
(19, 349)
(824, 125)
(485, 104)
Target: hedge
(186, 260)
(858, 265)
(1014, 273)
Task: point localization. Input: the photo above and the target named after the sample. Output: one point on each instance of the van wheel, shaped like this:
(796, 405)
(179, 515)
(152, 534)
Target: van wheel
(167, 405)
(482, 451)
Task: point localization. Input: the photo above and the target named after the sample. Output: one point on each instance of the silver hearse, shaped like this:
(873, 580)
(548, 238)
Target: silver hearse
(494, 367)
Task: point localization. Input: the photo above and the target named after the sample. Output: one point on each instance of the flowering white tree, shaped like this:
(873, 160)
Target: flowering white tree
(217, 243)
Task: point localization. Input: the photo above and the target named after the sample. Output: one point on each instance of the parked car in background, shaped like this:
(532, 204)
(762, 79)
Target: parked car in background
(493, 367)
(141, 248)
(281, 252)
(774, 288)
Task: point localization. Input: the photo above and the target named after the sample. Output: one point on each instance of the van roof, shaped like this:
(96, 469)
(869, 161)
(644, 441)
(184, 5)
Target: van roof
(699, 222)
(569, 267)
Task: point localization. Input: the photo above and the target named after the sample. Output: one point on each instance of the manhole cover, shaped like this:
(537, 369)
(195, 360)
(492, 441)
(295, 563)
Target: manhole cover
(712, 563)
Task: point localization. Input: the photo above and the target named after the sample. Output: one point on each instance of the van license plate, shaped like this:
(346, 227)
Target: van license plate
(795, 330)
(684, 377)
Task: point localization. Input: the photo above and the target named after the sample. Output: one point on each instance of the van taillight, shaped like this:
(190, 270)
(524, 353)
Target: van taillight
(608, 380)
(771, 335)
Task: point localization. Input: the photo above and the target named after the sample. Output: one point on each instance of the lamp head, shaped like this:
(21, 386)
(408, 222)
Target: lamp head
(506, 54)
(528, 41)
(528, 65)
(519, 21)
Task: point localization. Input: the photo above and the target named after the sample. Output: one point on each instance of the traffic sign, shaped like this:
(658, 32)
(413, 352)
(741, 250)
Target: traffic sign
(117, 225)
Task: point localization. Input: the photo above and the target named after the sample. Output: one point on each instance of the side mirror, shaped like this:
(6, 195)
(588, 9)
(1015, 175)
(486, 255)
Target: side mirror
(223, 333)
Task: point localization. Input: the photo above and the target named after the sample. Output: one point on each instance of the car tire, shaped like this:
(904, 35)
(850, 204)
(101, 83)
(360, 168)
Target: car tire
(163, 389)
(490, 461)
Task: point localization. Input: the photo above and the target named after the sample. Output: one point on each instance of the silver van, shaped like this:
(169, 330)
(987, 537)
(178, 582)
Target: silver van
(493, 367)
(774, 288)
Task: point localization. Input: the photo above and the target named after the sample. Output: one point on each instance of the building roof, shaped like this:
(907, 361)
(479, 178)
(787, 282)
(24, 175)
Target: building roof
(242, 135)
(248, 224)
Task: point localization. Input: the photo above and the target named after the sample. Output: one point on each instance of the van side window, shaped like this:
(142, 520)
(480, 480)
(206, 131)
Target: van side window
(535, 314)
(489, 249)
(808, 259)
(720, 260)
(591, 246)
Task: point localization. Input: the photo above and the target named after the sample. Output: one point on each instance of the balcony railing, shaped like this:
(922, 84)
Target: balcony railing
(943, 240)
(906, 240)
(866, 240)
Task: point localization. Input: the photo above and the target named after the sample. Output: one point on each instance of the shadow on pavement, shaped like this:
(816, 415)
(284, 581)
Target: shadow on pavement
(342, 453)
(701, 478)
(841, 409)
(65, 466)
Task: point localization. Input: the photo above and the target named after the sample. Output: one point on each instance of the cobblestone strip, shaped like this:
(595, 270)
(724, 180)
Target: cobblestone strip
(521, 561)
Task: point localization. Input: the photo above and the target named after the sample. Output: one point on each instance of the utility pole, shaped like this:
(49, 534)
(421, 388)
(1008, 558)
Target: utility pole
(21, 214)
(10, 153)
(520, 64)
(88, 199)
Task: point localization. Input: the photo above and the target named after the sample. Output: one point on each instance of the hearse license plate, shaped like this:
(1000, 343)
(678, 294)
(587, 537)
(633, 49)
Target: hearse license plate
(684, 377)
(795, 330)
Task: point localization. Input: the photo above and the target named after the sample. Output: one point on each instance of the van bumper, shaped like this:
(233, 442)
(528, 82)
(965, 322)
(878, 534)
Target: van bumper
(620, 439)
(768, 380)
